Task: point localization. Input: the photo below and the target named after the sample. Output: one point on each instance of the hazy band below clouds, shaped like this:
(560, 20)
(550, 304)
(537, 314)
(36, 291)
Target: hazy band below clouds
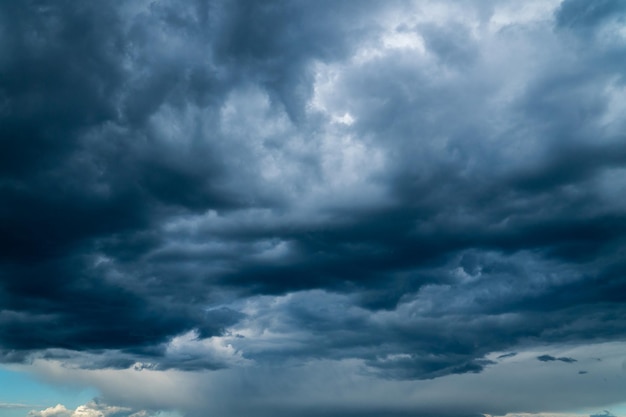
(348, 387)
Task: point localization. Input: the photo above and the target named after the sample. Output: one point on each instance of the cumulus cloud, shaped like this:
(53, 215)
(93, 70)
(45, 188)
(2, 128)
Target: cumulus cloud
(91, 409)
(58, 410)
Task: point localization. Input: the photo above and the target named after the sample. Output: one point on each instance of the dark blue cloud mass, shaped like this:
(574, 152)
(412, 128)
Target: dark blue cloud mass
(550, 358)
(213, 185)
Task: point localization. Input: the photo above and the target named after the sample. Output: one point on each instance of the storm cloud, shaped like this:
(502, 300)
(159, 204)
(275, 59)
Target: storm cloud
(550, 358)
(214, 185)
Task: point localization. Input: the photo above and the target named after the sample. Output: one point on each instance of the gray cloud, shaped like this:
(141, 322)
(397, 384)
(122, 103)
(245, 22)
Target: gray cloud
(580, 14)
(550, 358)
(604, 413)
(507, 355)
(206, 185)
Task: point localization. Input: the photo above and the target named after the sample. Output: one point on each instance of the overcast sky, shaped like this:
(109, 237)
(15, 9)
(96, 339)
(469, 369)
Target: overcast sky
(233, 208)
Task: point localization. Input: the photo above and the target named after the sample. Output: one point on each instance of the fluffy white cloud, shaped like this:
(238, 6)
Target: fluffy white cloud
(58, 410)
(91, 409)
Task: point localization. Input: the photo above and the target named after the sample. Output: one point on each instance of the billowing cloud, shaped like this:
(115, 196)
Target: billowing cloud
(58, 410)
(91, 409)
(419, 188)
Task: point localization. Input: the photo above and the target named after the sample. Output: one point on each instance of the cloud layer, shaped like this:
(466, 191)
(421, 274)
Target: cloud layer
(213, 185)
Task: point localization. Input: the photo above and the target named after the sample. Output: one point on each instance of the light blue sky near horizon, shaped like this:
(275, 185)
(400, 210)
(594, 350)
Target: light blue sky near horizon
(22, 388)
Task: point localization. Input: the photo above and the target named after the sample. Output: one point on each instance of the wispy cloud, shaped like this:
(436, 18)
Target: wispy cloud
(15, 405)
(550, 358)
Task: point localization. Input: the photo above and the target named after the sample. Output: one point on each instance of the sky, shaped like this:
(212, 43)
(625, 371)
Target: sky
(234, 208)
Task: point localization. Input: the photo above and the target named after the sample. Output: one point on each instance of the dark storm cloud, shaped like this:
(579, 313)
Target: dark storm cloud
(550, 358)
(179, 174)
(273, 43)
(62, 188)
(85, 171)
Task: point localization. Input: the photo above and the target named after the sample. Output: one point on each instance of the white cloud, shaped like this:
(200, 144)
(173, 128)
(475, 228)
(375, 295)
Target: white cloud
(4, 405)
(58, 410)
(91, 409)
